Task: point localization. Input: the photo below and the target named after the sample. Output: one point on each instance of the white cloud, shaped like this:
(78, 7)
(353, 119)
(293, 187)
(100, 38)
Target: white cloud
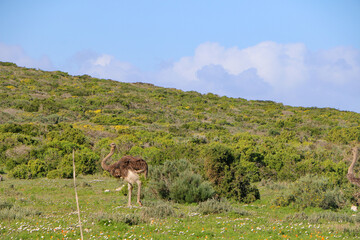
(288, 73)
(247, 84)
(103, 60)
(275, 63)
(104, 66)
(16, 54)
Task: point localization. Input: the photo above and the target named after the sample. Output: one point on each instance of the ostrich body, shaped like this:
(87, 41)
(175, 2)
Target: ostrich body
(350, 175)
(127, 168)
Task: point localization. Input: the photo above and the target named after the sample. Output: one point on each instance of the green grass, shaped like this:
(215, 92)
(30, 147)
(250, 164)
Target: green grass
(46, 209)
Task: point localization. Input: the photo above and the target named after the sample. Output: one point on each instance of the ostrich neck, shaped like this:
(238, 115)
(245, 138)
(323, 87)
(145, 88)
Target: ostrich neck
(103, 162)
(351, 168)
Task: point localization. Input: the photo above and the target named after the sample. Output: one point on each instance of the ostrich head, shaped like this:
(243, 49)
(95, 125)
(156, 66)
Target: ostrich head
(113, 145)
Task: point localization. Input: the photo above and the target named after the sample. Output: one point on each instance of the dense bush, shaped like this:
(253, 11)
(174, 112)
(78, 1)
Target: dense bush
(86, 161)
(67, 133)
(218, 157)
(313, 191)
(237, 186)
(112, 120)
(20, 171)
(37, 168)
(54, 174)
(190, 187)
(176, 181)
(344, 135)
(231, 177)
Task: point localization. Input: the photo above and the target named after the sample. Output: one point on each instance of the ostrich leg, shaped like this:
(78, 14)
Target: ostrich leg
(139, 191)
(130, 187)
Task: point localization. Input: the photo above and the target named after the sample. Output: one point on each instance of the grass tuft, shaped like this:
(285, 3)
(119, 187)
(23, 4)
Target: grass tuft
(157, 210)
(325, 217)
(12, 212)
(108, 219)
(213, 206)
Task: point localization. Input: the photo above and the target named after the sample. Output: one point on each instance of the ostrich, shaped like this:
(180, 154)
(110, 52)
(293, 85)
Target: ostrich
(350, 175)
(127, 168)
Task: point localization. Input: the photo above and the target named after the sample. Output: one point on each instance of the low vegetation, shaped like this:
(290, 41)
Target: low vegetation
(46, 209)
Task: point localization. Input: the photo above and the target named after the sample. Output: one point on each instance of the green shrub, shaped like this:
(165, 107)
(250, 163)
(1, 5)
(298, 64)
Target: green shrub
(344, 135)
(8, 64)
(37, 168)
(66, 172)
(17, 212)
(13, 162)
(62, 147)
(282, 157)
(249, 169)
(284, 200)
(189, 188)
(330, 217)
(157, 210)
(63, 133)
(20, 171)
(130, 219)
(236, 185)
(213, 206)
(151, 154)
(332, 199)
(217, 157)
(232, 178)
(176, 180)
(54, 174)
(112, 120)
(109, 219)
(5, 205)
(86, 161)
(297, 217)
(325, 216)
(313, 191)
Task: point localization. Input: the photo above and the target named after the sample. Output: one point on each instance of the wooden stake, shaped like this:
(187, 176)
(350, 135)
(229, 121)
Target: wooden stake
(76, 196)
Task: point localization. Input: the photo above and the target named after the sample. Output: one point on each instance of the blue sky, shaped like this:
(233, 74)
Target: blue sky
(300, 53)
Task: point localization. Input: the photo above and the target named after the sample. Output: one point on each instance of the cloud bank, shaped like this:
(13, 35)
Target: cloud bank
(104, 66)
(287, 73)
(16, 54)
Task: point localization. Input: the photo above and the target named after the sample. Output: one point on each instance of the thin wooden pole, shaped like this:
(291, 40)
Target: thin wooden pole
(76, 196)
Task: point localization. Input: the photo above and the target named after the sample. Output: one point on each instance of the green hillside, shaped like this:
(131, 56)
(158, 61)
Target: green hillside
(230, 142)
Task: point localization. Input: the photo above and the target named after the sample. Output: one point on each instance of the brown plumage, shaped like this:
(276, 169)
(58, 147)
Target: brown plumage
(350, 175)
(128, 168)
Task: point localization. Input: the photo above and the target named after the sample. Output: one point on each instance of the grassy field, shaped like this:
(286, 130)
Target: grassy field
(46, 209)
